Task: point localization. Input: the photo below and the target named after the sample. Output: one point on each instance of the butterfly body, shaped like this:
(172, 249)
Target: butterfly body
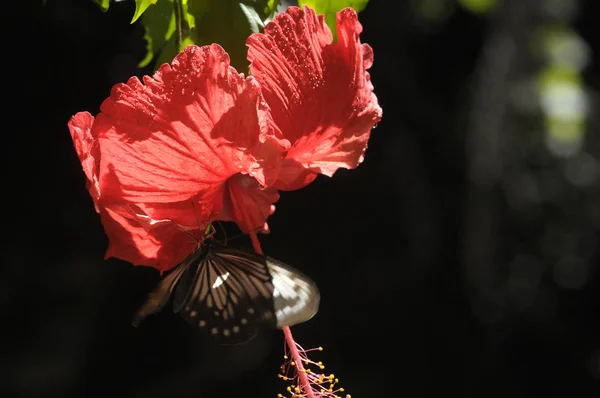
(230, 294)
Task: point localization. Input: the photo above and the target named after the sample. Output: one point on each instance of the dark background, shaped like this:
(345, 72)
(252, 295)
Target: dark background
(460, 258)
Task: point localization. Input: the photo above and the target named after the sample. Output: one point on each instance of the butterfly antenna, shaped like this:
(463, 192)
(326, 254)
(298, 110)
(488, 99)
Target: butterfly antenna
(224, 233)
(211, 231)
(256, 230)
(189, 233)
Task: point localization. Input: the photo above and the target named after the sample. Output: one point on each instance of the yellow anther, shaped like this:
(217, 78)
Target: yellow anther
(289, 389)
(337, 380)
(297, 389)
(341, 390)
(320, 348)
(306, 362)
(285, 357)
(322, 367)
(293, 363)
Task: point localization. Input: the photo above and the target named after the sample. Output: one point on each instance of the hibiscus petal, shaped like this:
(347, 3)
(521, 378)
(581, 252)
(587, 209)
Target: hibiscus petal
(185, 131)
(189, 214)
(320, 95)
(247, 204)
(161, 246)
(86, 147)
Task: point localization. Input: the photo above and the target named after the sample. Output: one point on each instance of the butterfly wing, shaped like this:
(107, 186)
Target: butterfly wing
(296, 297)
(231, 295)
(161, 294)
(188, 279)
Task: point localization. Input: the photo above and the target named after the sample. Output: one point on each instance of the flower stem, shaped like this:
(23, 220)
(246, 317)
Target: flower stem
(178, 24)
(256, 243)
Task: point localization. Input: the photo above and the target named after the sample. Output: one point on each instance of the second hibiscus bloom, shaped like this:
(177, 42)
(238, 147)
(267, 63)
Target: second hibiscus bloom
(199, 141)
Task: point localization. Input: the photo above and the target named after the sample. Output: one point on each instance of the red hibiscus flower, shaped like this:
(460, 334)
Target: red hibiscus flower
(198, 142)
(320, 95)
(162, 155)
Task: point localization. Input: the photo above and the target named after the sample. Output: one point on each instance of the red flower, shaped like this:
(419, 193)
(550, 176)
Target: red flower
(128, 238)
(320, 95)
(197, 142)
(179, 148)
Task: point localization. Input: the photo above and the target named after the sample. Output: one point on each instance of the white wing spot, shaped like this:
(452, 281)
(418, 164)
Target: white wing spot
(214, 331)
(250, 310)
(243, 321)
(202, 323)
(236, 329)
(193, 314)
(216, 313)
(220, 280)
(226, 332)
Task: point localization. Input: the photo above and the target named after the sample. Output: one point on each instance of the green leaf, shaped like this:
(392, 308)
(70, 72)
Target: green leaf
(255, 22)
(271, 8)
(159, 23)
(167, 54)
(331, 7)
(141, 6)
(229, 23)
(226, 22)
(103, 4)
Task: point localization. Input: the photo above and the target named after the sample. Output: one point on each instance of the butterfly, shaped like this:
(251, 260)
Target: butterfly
(232, 293)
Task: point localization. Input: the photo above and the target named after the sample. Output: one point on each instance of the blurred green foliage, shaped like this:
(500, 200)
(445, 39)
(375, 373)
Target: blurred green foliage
(331, 7)
(479, 6)
(225, 22)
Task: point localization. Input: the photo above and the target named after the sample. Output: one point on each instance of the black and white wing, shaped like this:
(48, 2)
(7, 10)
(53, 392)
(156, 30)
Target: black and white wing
(228, 294)
(295, 296)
